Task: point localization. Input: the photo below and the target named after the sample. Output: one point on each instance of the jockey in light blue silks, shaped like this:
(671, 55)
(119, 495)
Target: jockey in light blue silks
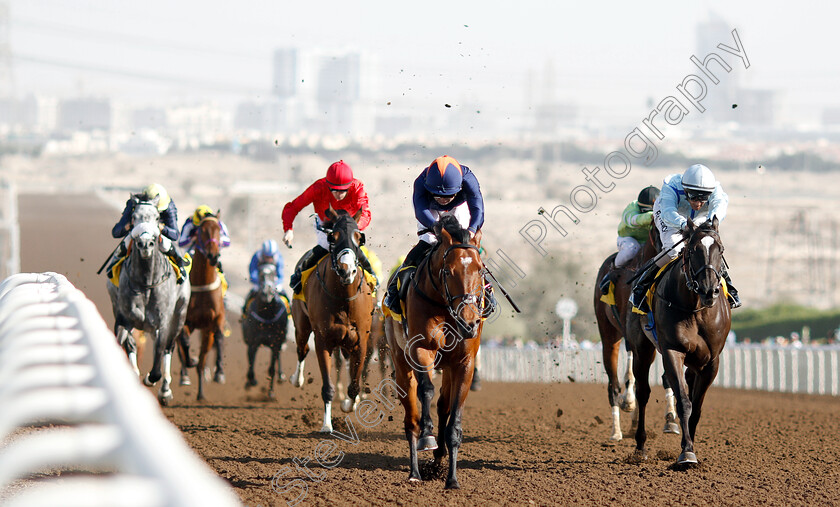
(269, 253)
(696, 195)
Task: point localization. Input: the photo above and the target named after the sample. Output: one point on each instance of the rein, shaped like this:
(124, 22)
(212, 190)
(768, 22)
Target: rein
(690, 277)
(449, 299)
(166, 274)
(327, 290)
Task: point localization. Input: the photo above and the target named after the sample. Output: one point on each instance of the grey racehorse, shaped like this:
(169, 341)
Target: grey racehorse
(149, 297)
(265, 322)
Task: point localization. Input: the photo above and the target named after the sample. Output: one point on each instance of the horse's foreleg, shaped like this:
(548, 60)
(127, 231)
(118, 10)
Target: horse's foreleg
(444, 406)
(461, 378)
(354, 387)
(425, 393)
(406, 380)
(274, 368)
(165, 393)
(702, 382)
(609, 348)
(252, 356)
(303, 328)
(627, 400)
(674, 362)
(184, 354)
(327, 389)
(154, 375)
(126, 339)
(671, 425)
(201, 368)
(219, 343)
(641, 369)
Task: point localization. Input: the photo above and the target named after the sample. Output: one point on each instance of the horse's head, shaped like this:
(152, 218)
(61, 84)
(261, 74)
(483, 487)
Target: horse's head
(208, 237)
(268, 282)
(345, 239)
(145, 212)
(145, 238)
(460, 272)
(703, 260)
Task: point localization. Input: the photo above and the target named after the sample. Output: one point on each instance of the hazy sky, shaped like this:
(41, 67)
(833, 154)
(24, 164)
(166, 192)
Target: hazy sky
(605, 55)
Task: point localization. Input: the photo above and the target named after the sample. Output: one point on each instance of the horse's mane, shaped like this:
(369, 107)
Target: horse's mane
(450, 224)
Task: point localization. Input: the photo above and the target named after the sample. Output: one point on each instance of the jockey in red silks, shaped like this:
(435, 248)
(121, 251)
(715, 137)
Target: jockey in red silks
(339, 190)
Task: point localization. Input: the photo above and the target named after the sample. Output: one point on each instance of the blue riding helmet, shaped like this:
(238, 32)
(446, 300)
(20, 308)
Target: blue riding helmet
(269, 248)
(444, 176)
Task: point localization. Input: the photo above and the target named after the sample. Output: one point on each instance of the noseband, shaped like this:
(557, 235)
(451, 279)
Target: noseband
(201, 243)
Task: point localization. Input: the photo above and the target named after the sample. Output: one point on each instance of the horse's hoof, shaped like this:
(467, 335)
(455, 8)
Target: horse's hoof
(427, 443)
(687, 458)
(327, 428)
(165, 397)
(452, 484)
(614, 439)
(628, 406)
(219, 378)
(296, 380)
(349, 405)
(250, 383)
(147, 382)
(281, 378)
(185, 380)
(271, 395)
(413, 479)
(671, 428)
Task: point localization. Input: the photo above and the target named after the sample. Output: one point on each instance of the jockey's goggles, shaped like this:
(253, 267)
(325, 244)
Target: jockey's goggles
(697, 195)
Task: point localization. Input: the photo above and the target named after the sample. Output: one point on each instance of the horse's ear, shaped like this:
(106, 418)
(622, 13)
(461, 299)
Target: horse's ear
(218, 213)
(689, 226)
(156, 200)
(331, 214)
(443, 234)
(715, 223)
(476, 240)
(358, 215)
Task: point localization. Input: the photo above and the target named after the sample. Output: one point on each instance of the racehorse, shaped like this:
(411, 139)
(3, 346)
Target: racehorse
(338, 308)
(376, 342)
(148, 297)
(443, 317)
(265, 322)
(691, 322)
(614, 322)
(206, 310)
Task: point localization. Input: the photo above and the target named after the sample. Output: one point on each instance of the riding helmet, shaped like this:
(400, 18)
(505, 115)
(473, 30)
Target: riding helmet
(269, 248)
(444, 176)
(201, 212)
(698, 182)
(647, 197)
(339, 176)
(155, 190)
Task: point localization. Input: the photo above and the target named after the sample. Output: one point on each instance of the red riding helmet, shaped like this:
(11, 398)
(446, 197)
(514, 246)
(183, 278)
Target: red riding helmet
(339, 176)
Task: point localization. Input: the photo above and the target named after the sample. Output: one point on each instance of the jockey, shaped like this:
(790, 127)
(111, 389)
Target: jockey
(633, 231)
(444, 188)
(269, 253)
(188, 231)
(693, 194)
(168, 224)
(339, 190)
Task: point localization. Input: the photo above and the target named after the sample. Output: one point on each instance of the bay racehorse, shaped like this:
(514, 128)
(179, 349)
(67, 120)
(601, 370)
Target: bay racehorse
(206, 311)
(376, 343)
(441, 330)
(691, 320)
(265, 322)
(148, 297)
(338, 308)
(614, 322)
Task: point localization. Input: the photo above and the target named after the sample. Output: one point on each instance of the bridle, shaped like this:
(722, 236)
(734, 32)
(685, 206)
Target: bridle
(334, 263)
(448, 299)
(691, 275)
(202, 242)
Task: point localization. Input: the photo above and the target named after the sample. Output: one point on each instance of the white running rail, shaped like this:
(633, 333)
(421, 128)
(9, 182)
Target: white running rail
(808, 370)
(60, 364)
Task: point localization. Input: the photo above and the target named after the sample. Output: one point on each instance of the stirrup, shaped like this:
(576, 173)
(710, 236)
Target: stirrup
(734, 301)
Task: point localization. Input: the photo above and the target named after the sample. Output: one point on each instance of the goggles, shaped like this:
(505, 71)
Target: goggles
(697, 195)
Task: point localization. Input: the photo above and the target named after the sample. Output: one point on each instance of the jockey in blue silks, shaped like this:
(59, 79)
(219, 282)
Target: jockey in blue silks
(697, 195)
(444, 188)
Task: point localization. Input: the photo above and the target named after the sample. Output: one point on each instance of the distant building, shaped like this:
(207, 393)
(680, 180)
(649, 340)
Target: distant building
(84, 114)
(148, 118)
(285, 73)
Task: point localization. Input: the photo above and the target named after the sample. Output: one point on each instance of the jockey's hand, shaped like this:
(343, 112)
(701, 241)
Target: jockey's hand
(288, 237)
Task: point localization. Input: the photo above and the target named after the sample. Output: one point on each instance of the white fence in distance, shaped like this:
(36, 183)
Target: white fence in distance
(60, 364)
(809, 370)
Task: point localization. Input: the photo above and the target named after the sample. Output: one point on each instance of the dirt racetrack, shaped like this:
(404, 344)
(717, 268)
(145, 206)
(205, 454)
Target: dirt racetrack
(524, 444)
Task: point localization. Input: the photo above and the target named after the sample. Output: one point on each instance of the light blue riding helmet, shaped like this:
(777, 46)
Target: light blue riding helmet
(269, 248)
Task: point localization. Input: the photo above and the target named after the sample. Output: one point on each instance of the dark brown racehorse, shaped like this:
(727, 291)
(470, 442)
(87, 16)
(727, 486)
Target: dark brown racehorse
(338, 308)
(614, 322)
(691, 322)
(206, 310)
(444, 324)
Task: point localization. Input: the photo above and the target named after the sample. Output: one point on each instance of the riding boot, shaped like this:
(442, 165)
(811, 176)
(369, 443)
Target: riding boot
(308, 261)
(490, 303)
(398, 288)
(734, 300)
(364, 262)
(637, 298)
(610, 277)
(176, 257)
(116, 258)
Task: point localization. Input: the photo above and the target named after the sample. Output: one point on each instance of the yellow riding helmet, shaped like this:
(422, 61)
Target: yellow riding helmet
(155, 190)
(201, 212)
